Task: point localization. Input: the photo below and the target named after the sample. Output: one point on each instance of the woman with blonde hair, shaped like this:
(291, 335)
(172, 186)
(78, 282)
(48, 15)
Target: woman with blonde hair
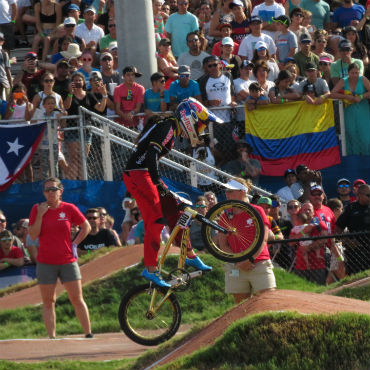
(166, 62)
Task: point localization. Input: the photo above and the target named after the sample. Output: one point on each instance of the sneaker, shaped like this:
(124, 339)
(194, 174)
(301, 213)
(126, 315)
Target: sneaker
(155, 277)
(197, 263)
(90, 335)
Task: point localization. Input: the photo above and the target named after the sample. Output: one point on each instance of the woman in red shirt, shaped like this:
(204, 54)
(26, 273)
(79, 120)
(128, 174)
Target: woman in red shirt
(51, 222)
(10, 255)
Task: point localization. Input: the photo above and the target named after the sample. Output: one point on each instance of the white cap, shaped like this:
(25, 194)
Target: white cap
(260, 44)
(235, 185)
(113, 45)
(70, 20)
(227, 41)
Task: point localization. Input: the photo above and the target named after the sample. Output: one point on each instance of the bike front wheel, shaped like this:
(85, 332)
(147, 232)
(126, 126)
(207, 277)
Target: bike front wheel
(245, 231)
(148, 319)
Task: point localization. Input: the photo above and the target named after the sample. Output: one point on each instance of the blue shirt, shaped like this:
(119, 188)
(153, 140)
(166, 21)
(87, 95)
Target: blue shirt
(181, 93)
(343, 16)
(152, 100)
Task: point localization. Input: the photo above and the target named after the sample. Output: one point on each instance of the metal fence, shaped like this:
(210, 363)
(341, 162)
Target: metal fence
(323, 264)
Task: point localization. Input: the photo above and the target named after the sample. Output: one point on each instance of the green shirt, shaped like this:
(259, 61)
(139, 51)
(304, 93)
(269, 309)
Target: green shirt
(302, 60)
(105, 41)
(339, 69)
(320, 12)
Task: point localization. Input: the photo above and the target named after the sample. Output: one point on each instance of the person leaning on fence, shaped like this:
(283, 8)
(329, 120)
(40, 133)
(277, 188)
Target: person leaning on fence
(282, 92)
(355, 218)
(10, 255)
(256, 96)
(157, 98)
(247, 278)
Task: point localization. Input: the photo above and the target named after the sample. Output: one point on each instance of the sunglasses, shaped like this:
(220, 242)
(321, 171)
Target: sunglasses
(200, 206)
(321, 41)
(184, 76)
(2, 220)
(111, 25)
(193, 40)
(299, 15)
(6, 239)
(69, 25)
(212, 65)
(343, 186)
(337, 33)
(87, 59)
(106, 59)
(92, 218)
(48, 81)
(295, 206)
(103, 214)
(51, 188)
(163, 81)
(306, 42)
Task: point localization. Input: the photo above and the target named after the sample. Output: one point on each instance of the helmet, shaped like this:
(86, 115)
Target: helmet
(193, 118)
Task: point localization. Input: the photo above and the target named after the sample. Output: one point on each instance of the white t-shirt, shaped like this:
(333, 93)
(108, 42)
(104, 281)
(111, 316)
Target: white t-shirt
(267, 12)
(285, 193)
(95, 34)
(246, 48)
(6, 11)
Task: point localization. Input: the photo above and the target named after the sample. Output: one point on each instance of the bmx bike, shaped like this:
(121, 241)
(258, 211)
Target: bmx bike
(149, 314)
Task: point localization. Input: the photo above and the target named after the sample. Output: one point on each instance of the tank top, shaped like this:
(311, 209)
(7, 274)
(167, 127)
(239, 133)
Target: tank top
(52, 18)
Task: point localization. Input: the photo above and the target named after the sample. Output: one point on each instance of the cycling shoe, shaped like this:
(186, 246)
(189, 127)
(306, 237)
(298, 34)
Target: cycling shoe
(155, 277)
(197, 263)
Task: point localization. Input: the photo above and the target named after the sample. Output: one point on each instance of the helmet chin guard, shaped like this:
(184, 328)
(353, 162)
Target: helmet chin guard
(193, 119)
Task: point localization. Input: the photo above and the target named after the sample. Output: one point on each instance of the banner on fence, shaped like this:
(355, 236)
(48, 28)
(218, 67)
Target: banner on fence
(290, 134)
(18, 142)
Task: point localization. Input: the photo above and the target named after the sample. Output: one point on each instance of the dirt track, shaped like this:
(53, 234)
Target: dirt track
(116, 346)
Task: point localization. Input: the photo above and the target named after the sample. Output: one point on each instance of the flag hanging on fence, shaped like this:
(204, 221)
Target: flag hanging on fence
(17, 144)
(283, 136)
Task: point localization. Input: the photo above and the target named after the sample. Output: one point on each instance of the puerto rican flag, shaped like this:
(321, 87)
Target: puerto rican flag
(18, 142)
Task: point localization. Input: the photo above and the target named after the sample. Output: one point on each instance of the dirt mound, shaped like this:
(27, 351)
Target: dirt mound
(278, 300)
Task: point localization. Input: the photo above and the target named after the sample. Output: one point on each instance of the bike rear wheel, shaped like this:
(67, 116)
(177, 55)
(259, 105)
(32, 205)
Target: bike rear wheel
(245, 231)
(145, 327)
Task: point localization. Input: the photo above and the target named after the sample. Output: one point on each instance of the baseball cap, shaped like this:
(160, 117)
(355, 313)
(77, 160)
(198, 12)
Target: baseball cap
(106, 54)
(96, 75)
(265, 200)
(90, 9)
(260, 45)
(156, 76)
(211, 58)
(113, 45)
(225, 24)
(316, 187)
(165, 42)
(227, 41)
(31, 55)
(326, 60)
(343, 180)
(183, 70)
(289, 59)
(348, 29)
(132, 69)
(305, 37)
(235, 185)
(74, 7)
(289, 171)
(358, 181)
(69, 20)
(345, 45)
(62, 63)
(310, 66)
(235, 3)
(283, 19)
(255, 18)
(2, 36)
(247, 63)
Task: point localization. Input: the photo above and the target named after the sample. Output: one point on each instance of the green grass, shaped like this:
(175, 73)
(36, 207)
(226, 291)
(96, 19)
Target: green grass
(287, 341)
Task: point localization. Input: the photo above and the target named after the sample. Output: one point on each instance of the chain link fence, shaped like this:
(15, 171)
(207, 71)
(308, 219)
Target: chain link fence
(337, 256)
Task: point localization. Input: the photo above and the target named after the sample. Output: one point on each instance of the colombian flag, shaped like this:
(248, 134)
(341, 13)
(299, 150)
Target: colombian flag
(283, 136)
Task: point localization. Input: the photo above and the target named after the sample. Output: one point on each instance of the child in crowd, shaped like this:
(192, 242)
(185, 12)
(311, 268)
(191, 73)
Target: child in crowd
(18, 105)
(255, 96)
(307, 18)
(109, 223)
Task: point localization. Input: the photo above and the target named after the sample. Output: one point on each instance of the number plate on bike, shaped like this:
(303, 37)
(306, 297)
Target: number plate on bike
(184, 220)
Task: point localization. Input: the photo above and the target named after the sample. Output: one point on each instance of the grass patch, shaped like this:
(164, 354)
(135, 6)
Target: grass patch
(287, 341)
(361, 292)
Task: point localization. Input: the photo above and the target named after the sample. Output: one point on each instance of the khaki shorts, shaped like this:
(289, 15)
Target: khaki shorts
(48, 274)
(239, 281)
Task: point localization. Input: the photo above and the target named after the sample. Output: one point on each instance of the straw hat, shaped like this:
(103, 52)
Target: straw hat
(73, 51)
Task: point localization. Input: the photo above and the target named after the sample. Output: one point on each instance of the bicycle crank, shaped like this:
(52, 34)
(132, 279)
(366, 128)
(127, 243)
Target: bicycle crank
(179, 280)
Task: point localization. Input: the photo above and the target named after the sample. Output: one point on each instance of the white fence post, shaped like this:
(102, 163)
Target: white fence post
(106, 154)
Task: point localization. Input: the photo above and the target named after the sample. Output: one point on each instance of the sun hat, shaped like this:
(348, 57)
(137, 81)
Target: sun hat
(73, 51)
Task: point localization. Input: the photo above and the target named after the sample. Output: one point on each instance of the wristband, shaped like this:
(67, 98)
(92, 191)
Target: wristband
(6, 264)
(11, 109)
(282, 100)
(42, 34)
(105, 96)
(286, 100)
(13, 21)
(242, 173)
(276, 237)
(340, 259)
(70, 95)
(269, 22)
(88, 251)
(100, 12)
(361, 96)
(322, 97)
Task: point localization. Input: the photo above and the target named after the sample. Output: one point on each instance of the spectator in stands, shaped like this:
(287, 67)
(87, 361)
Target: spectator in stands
(62, 79)
(348, 12)
(8, 15)
(211, 198)
(87, 59)
(293, 208)
(320, 41)
(129, 97)
(296, 16)
(166, 62)
(184, 87)
(6, 80)
(230, 61)
(344, 191)
(301, 189)
(105, 16)
(109, 75)
(22, 7)
(244, 166)
(355, 91)
(282, 92)
(20, 229)
(355, 186)
(260, 54)
(223, 14)
(261, 71)
(57, 256)
(305, 55)
(324, 70)
(178, 26)
(88, 31)
(110, 37)
(128, 204)
(315, 85)
(137, 231)
(293, 69)
(18, 106)
(336, 205)
(241, 85)
(201, 206)
(103, 216)
(194, 57)
(204, 16)
(48, 14)
(274, 230)
(225, 29)
(356, 217)
(256, 96)
(286, 41)
(109, 222)
(339, 69)
(99, 95)
(268, 11)
(290, 177)
(240, 23)
(158, 20)
(320, 12)
(165, 12)
(96, 238)
(10, 255)
(248, 45)
(245, 278)
(359, 49)
(157, 98)
(62, 44)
